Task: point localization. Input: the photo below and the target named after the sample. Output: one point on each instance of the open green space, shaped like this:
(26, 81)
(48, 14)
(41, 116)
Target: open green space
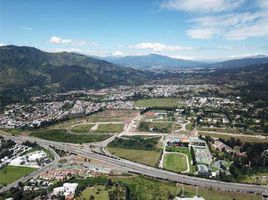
(61, 135)
(101, 192)
(162, 127)
(141, 156)
(144, 188)
(136, 142)
(83, 128)
(175, 162)
(177, 126)
(110, 128)
(189, 126)
(157, 102)
(258, 178)
(9, 174)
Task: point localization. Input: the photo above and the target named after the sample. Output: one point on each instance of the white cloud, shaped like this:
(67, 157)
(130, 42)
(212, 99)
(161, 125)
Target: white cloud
(59, 40)
(252, 55)
(237, 26)
(26, 28)
(2, 44)
(263, 4)
(158, 47)
(202, 6)
(202, 33)
(117, 53)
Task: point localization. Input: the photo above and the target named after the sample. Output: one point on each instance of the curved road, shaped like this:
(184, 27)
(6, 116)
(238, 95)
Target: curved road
(146, 170)
(36, 173)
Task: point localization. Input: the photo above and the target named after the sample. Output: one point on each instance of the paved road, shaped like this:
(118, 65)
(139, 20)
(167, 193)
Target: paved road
(36, 173)
(149, 171)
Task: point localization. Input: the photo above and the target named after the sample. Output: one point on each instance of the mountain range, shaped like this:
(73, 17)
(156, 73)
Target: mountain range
(152, 61)
(27, 71)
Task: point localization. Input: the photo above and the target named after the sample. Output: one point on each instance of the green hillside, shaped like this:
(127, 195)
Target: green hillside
(27, 71)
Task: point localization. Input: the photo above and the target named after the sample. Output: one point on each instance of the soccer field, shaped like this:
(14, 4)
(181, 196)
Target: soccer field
(175, 162)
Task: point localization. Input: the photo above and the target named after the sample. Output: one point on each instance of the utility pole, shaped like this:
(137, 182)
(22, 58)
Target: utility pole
(196, 191)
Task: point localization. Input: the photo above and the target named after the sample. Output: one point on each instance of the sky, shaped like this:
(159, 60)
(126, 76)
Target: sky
(189, 29)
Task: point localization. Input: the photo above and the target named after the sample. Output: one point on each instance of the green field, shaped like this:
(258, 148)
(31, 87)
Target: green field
(157, 102)
(83, 128)
(259, 178)
(136, 143)
(60, 135)
(161, 127)
(175, 162)
(110, 128)
(143, 188)
(100, 192)
(9, 174)
(146, 157)
(184, 150)
(189, 126)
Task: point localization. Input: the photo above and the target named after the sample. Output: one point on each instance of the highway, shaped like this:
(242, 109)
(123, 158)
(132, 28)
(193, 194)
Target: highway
(147, 170)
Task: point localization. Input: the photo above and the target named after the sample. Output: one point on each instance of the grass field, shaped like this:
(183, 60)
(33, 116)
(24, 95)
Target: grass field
(175, 162)
(259, 178)
(162, 127)
(60, 135)
(99, 192)
(9, 174)
(150, 189)
(157, 102)
(110, 128)
(177, 126)
(146, 157)
(83, 128)
(184, 150)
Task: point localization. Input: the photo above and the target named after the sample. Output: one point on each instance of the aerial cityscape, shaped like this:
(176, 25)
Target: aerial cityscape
(134, 100)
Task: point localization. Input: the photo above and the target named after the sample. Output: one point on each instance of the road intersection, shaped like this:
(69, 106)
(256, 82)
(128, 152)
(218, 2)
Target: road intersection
(143, 169)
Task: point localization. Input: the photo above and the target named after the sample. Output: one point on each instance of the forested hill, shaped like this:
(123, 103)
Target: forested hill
(27, 71)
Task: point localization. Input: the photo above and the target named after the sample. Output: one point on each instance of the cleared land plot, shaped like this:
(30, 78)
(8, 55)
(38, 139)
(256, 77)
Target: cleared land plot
(60, 135)
(157, 102)
(243, 138)
(110, 128)
(103, 116)
(146, 157)
(175, 162)
(161, 127)
(100, 192)
(83, 128)
(9, 174)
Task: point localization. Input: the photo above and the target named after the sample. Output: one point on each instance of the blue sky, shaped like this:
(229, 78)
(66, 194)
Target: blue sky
(190, 29)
